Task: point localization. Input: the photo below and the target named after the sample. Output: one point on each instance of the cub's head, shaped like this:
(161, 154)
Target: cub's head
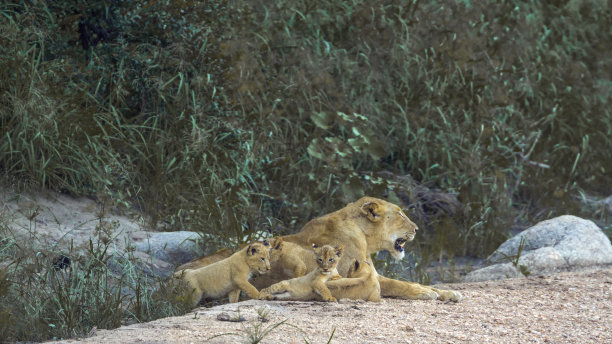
(258, 257)
(328, 257)
(386, 226)
(360, 269)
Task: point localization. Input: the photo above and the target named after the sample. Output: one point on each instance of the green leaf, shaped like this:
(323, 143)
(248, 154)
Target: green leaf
(321, 120)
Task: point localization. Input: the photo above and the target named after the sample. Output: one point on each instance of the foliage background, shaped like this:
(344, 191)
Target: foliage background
(242, 117)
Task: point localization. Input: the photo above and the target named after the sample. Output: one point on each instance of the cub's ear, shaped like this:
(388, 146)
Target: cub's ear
(277, 243)
(339, 250)
(373, 211)
(265, 242)
(251, 250)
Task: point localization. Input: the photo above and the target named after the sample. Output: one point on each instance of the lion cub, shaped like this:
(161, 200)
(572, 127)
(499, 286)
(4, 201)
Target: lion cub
(291, 259)
(312, 285)
(361, 283)
(228, 276)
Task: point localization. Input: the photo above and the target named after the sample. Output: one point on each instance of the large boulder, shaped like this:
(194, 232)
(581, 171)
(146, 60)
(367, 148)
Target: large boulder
(172, 247)
(565, 243)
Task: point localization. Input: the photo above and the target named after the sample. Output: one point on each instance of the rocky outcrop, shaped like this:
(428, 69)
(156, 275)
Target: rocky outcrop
(565, 243)
(173, 247)
(59, 225)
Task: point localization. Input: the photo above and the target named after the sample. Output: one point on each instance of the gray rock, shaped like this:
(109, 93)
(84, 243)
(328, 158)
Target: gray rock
(493, 272)
(542, 260)
(564, 243)
(142, 262)
(172, 247)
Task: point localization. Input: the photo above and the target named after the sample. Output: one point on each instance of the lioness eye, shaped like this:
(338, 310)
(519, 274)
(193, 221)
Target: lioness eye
(263, 259)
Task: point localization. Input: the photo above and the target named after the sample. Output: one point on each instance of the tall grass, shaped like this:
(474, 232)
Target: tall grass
(236, 118)
(49, 292)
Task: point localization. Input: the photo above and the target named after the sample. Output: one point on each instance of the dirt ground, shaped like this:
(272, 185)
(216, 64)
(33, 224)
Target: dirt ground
(563, 308)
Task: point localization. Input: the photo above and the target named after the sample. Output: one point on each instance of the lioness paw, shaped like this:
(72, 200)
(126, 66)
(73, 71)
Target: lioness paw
(428, 295)
(449, 295)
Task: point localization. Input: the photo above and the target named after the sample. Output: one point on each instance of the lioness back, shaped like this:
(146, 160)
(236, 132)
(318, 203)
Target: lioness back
(228, 276)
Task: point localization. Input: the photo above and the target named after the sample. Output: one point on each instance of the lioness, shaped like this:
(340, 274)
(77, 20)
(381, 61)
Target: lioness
(361, 283)
(228, 276)
(367, 226)
(310, 286)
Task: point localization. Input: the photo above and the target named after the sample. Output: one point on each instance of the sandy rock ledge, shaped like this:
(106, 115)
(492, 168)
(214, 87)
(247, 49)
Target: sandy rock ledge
(565, 308)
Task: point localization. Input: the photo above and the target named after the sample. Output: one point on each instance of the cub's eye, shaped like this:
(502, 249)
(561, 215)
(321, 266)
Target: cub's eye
(331, 259)
(320, 260)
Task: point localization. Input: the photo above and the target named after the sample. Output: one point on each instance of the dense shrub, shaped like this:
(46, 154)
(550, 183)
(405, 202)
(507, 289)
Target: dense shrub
(235, 118)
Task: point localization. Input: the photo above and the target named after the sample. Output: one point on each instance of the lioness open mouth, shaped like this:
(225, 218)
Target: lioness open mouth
(399, 244)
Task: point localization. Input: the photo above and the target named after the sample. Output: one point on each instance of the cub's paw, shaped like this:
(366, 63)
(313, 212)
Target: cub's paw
(263, 295)
(331, 299)
(336, 277)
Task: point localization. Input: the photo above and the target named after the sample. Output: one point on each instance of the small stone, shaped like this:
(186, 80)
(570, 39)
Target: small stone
(226, 317)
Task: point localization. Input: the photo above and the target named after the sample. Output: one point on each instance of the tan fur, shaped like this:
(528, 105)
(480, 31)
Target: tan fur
(310, 286)
(361, 283)
(365, 227)
(228, 276)
(213, 258)
(288, 260)
(291, 259)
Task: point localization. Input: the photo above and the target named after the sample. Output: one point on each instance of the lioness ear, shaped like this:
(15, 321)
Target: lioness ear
(266, 243)
(339, 250)
(356, 264)
(251, 250)
(372, 211)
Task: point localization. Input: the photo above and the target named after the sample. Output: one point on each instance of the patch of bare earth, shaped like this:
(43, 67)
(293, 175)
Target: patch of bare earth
(563, 308)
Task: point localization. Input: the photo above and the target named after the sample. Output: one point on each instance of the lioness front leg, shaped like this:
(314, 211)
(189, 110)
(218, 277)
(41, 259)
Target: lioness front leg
(451, 295)
(414, 291)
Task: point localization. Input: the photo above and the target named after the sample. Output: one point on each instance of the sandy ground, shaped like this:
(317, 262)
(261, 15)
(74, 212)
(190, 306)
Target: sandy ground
(563, 308)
